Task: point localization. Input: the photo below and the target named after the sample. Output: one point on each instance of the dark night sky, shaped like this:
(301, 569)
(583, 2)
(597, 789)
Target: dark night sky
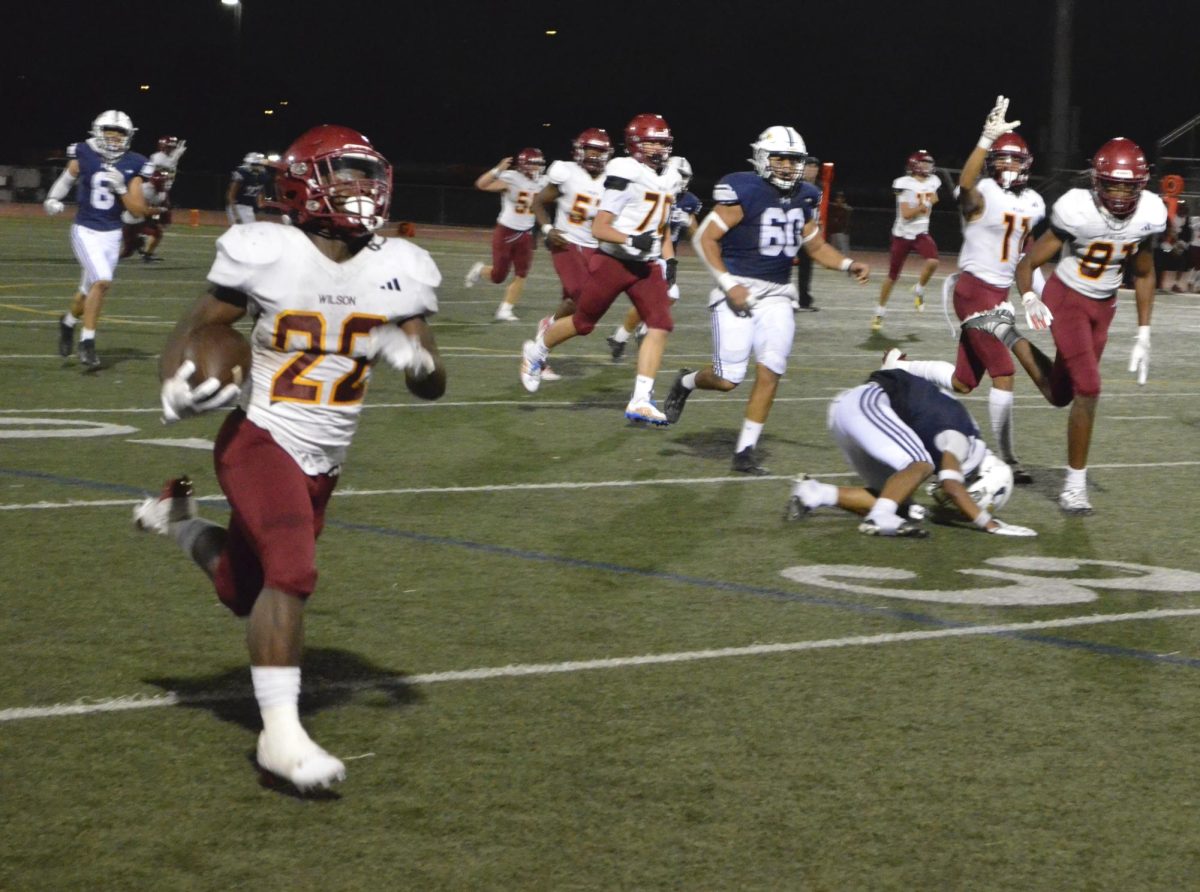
(437, 81)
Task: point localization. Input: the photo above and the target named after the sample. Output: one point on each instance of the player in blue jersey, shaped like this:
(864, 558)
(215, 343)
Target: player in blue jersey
(685, 212)
(895, 431)
(107, 179)
(246, 185)
(760, 222)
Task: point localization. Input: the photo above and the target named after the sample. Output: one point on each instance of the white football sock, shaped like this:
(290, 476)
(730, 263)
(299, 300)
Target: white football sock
(689, 380)
(621, 335)
(1076, 478)
(87, 334)
(749, 435)
(277, 690)
(936, 371)
(1000, 405)
(539, 344)
(70, 319)
(643, 386)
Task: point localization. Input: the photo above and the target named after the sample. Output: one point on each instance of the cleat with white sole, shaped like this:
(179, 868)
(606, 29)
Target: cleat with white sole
(531, 366)
(300, 761)
(174, 504)
(646, 412)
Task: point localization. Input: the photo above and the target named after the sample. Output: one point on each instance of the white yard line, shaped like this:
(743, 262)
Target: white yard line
(121, 704)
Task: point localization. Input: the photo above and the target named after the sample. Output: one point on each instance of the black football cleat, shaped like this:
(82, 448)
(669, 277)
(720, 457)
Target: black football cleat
(87, 355)
(66, 337)
(745, 463)
(676, 397)
(616, 348)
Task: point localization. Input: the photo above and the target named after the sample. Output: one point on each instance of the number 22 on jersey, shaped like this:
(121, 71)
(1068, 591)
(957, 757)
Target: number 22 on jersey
(295, 382)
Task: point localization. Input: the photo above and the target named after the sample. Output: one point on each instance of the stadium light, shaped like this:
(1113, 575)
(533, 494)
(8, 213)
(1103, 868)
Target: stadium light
(551, 32)
(231, 2)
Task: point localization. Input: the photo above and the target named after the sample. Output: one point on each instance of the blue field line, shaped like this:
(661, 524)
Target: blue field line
(678, 578)
(763, 592)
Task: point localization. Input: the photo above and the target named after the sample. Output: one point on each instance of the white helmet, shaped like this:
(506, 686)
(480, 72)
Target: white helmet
(991, 486)
(684, 167)
(255, 159)
(109, 146)
(779, 140)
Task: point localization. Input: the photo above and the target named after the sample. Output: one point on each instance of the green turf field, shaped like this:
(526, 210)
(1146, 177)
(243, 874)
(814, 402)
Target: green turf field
(558, 652)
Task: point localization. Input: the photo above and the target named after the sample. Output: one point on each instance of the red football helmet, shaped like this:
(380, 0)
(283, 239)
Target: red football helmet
(1008, 162)
(648, 139)
(919, 164)
(332, 181)
(1119, 174)
(597, 140)
(531, 162)
(168, 144)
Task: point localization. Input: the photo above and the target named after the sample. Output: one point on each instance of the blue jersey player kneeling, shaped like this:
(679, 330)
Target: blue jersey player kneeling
(760, 222)
(108, 179)
(896, 431)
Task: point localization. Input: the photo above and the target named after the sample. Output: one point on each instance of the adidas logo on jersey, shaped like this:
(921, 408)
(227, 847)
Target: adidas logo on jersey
(393, 285)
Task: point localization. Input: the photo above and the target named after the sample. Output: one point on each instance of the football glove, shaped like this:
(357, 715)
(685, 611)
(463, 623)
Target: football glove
(994, 126)
(746, 309)
(52, 206)
(116, 181)
(671, 265)
(401, 350)
(1037, 314)
(673, 292)
(1139, 359)
(642, 242)
(181, 400)
(1009, 529)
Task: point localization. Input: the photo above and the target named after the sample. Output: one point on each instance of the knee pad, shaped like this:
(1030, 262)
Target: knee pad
(583, 324)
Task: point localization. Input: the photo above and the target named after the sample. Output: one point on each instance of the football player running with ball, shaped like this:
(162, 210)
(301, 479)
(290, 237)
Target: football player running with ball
(635, 257)
(1107, 226)
(329, 299)
(762, 219)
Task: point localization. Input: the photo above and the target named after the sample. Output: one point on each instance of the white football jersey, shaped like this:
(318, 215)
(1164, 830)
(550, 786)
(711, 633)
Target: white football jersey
(994, 242)
(1194, 222)
(1097, 243)
(578, 201)
(909, 190)
(516, 202)
(312, 317)
(643, 204)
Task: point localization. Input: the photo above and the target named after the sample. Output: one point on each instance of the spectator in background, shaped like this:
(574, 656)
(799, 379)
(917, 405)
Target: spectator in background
(1191, 284)
(837, 225)
(811, 174)
(109, 178)
(245, 193)
(1171, 260)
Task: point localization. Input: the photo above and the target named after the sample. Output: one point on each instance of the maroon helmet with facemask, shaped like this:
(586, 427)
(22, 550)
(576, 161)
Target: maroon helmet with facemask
(168, 144)
(597, 140)
(1013, 176)
(531, 162)
(919, 164)
(1119, 174)
(332, 181)
(648, 139)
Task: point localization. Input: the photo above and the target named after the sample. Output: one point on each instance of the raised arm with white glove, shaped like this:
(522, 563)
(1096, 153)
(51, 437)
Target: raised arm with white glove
(994, 126)
(181, 400)
(1139, 359)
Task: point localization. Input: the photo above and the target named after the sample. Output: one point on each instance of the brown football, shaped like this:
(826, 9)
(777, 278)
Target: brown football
(220, 352)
